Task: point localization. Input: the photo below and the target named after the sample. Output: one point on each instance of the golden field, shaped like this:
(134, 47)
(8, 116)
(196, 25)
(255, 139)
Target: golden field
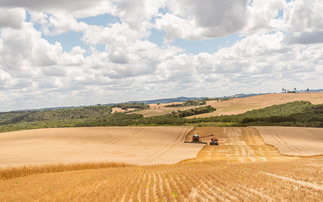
(242, 105)
(242, 167)
(238, 105)
(132, 145)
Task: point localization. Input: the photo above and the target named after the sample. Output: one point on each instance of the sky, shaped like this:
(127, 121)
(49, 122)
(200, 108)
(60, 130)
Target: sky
(81, 52)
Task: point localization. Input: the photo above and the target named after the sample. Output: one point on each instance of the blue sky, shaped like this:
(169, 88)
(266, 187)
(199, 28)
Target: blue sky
(71, 39)
(58, 53)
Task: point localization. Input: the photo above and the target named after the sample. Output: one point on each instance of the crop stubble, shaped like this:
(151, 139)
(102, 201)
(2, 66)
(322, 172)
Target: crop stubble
(242, 167)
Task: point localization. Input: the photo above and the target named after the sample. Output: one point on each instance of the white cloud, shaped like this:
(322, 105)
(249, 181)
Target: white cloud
(48, 5)
(281, 47)
(12, 18)
(264, 15)
(305, 22)
(198, 20)
(305, 16)
(138, 13)
(118, 35)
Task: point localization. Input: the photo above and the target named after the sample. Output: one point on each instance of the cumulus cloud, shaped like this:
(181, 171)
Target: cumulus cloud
(138, 14)
(281, 46)
(72, 5)
(197, 20)
(264, 15)
(305, 22)
(305, 38)
(12, 18)
(305, 16)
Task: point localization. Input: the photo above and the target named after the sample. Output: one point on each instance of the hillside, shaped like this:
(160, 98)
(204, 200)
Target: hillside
(271, 109)
(242, 105)
(230, 106)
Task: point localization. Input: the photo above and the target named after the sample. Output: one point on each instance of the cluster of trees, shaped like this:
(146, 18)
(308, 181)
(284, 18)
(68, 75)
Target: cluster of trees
(191, 112)
(136, 105)
(188, 103)
(293, 91)
(289, 91)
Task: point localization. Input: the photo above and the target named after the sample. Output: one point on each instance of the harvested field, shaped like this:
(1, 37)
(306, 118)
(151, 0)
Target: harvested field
(241, 168)
(242, 105)
(134, 145)
(236, 144)
(294, 141)
(119, 109)
(298, 180)
(160, 109)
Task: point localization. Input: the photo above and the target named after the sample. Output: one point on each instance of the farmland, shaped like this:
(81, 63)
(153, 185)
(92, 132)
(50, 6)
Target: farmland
(134, 145)
(280, 110)
(294, 141)
(242, 105)
(180, 182)
(239, 105)
(242, 167)
(148, 161)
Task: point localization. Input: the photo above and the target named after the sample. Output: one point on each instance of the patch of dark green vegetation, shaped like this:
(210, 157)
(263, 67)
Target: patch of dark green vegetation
(191, 112)
(134, 105)
(188, 103)
(300, 113)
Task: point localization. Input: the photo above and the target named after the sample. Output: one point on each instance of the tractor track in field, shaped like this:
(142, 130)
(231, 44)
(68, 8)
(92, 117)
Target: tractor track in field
(276, 137)
(293, 141)
(114, 141)
(166, 148)
(111, 142)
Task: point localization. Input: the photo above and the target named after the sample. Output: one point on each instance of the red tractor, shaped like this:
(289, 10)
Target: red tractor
(214, 141)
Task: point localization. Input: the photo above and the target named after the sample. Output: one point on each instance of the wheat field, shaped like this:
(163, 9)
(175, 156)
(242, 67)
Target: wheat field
(296, 180)
(241, 168)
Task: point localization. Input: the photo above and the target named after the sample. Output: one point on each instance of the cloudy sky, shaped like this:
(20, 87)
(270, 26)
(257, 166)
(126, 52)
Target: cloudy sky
(82, 52)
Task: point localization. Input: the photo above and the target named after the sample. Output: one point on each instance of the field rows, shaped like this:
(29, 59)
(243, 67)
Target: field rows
(236, 145)
(241, 168)
(182, 182)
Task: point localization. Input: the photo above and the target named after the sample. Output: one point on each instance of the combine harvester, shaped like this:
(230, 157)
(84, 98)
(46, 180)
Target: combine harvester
(196, 139)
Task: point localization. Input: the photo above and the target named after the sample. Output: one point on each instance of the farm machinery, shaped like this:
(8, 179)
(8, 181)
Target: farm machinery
(214, 141)
(196, 139)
